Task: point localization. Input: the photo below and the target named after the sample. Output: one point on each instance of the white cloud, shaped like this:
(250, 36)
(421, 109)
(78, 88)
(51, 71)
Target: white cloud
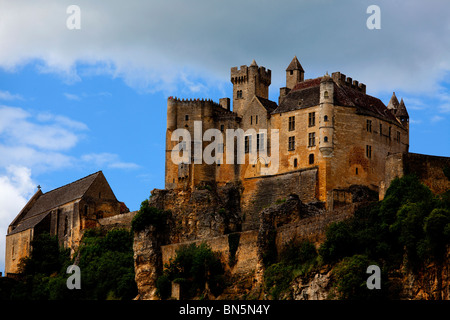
(6, 95)
(437, 118)
(71, 96)
(18, 129)
(16, 187)
(109, 160)
(151, 43)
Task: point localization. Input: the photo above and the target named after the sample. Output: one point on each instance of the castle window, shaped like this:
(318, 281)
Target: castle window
(325, 118)
(186, 117)
(291, 143)
(356, 171)
(325, 139)
(369, 151)
(239, 94)
(312, 119)
(292, 123)
(248, 143)
(311, 158)
(398, 136)
(256, 120)
(381, 129)
(369, 125)
(222, 127)
(251, 119)
(291, 72)
(295, 163)
(325, 94)
(260, 141)
(311, 139)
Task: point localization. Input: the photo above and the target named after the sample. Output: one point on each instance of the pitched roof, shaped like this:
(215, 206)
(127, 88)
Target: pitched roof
(401, 110)
(269, 105)
(307, 94)
(393, 103)
(53, 199)
(295, 65)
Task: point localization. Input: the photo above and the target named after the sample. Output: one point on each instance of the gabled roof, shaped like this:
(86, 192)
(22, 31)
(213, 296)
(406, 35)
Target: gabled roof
(269, 105)
(52, 199)
(295, 65)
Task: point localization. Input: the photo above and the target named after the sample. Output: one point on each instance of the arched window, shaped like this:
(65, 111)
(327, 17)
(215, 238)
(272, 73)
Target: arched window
(325, 94)
(325, 118)
(311, 158)
(325, 139)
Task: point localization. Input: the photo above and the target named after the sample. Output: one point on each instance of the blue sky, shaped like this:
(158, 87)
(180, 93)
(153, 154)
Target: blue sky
(73, 102)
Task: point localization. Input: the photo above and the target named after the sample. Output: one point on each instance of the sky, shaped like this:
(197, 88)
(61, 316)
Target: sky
(74, 101)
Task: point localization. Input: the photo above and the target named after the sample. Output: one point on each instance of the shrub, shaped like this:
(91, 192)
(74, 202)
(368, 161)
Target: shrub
(148, 216)
(296, 258)
(193, 266)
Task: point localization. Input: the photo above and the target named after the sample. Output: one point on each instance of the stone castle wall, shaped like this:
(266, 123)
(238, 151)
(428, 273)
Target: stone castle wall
(429, 170)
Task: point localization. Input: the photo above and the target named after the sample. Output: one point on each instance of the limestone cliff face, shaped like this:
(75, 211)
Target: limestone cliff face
(201, 213)
(147, 260)
(430, 283)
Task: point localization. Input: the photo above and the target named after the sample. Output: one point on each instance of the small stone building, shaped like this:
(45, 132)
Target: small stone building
(64, 212)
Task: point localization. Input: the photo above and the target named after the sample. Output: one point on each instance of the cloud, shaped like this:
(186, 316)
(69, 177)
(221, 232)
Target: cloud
(71, 96)
(436, 118)
(6, 95)
(18, 129)
(108, 160)
(16, 186)
(149, 44)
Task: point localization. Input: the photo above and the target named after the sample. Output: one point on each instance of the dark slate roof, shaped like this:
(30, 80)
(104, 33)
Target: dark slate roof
(53, 199)
(307, 94)
(295, 65)
(364, 103)
(268, 104)
(401, 110)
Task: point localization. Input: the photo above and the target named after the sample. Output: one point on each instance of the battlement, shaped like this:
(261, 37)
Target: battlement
(197, 102)
(244, 72)
(342, 79)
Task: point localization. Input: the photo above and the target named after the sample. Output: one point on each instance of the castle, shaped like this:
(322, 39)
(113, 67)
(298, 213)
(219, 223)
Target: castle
(331, 135)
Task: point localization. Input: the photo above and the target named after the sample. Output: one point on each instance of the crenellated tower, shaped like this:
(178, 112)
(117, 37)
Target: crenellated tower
(249, 82)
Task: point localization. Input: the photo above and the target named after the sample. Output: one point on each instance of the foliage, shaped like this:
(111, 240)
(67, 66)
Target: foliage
(410, 225)
(105, 260)
(296, 258)
(351, 277)
(192, 267)
(107, 265)
(148, 216)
